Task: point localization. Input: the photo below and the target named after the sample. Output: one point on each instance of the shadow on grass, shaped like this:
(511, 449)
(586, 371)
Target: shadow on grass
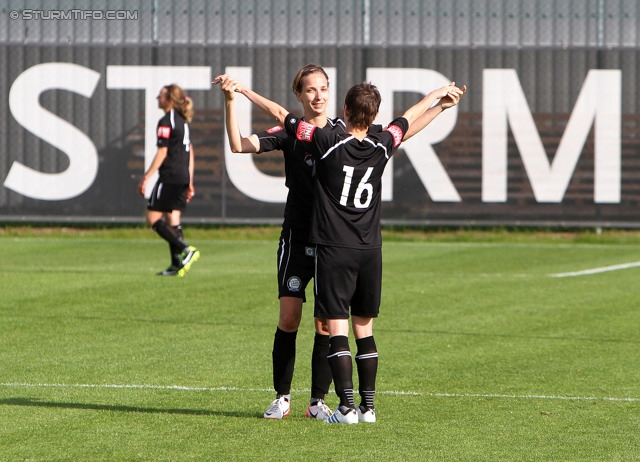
(106, 407)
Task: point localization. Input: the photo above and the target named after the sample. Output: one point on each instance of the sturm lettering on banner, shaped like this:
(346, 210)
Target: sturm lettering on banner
(597, 110)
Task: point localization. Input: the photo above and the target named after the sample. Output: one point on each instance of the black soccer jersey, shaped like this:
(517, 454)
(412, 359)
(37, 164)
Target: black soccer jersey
(173, 133)
(298, 165)
(348, 185)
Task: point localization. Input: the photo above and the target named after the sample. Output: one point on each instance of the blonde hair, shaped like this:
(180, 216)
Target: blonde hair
(181, 102)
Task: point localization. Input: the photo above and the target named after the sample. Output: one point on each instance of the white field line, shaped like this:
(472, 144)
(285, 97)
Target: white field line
(602, 269)
(390, 392)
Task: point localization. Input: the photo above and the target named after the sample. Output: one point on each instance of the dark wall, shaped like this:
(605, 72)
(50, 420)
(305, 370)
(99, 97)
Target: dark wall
(114, 121)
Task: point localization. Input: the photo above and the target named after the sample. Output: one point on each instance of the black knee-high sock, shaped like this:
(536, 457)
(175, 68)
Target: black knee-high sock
(177, 250)
(284, 358)
(320, 371)
(367, 364)
(341, 368)
(180, 235)
(167, 233)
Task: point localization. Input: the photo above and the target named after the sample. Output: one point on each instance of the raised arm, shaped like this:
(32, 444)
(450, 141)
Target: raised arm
(237, 142)
(271, 108)
(423, 113)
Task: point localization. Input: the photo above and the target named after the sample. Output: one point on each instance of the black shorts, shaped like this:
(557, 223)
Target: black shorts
(295, 264)
(167, 197)
(347, 277)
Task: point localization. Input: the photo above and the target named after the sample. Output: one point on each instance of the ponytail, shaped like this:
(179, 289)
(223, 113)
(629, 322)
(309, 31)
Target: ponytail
(181, 102)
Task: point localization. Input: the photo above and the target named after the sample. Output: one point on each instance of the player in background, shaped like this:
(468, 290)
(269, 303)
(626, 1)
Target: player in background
(174, 188)
(346, 226)
(295, 257)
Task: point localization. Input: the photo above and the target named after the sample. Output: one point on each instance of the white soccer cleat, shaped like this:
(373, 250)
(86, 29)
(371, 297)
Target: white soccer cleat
(366, 414)
(318, 410)
(279, 409)
(343, 415)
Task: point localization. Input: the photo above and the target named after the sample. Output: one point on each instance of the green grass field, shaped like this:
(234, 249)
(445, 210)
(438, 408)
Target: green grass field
(483, 355)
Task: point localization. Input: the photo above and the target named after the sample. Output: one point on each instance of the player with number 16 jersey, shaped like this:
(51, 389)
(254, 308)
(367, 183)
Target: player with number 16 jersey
(347, 213)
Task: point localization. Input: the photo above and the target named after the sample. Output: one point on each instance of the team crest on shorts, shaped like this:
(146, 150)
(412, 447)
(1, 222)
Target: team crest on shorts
(294, 284)
(308, 159)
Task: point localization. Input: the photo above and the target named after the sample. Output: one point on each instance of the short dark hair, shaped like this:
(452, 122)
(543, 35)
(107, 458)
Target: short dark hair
(363, 102)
